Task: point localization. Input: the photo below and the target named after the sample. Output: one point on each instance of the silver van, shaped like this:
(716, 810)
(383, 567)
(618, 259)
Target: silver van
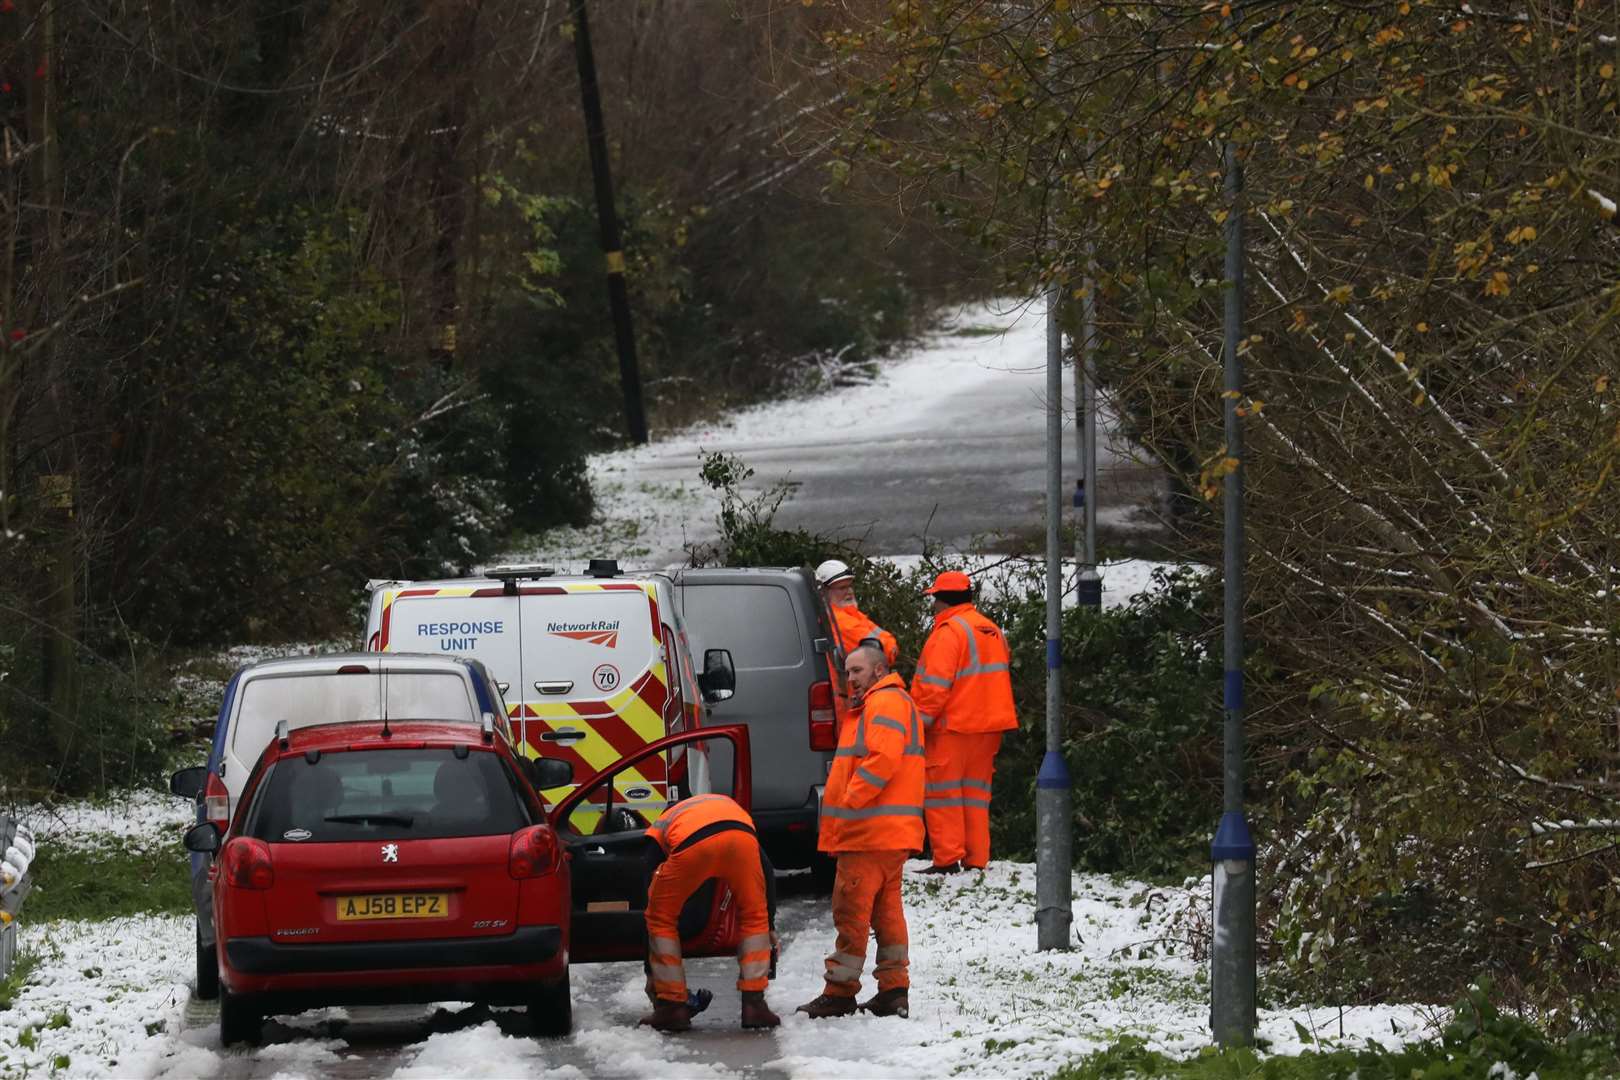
(778, 629)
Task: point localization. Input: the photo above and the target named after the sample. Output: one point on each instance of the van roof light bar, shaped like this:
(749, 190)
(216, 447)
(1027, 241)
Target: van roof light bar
(487, 726)
(603, 568)
(509, 576)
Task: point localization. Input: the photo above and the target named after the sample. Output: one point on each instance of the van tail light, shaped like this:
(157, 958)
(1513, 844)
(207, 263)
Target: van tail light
(534, 852)
(823, 717)
(217, 802)
(247, 863)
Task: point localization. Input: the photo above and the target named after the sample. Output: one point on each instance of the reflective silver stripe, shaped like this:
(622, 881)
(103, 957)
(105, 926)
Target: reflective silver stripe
(839, 973)
(979, 801)
(869, 776)
(927, 721)
(754, 969)
(943, 785)
(666, 946)
(890, 722)
(857, 962)
(915, 751)
(849, 751)
(980, 784)
(849, 814)
(755, 943)
(934, 680)
(893, 952)
(974, 667)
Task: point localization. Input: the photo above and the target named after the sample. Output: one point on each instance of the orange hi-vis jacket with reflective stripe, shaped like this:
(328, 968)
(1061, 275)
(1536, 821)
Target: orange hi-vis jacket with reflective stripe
(874, 796)
(688, 816)
(855, 627)
(962, 682)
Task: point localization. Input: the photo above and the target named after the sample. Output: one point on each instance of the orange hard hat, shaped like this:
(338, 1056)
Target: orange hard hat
(949, 581)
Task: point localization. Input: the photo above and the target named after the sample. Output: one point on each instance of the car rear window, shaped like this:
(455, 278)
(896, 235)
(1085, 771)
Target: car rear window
(756, 622)
(317, 697)
(386, 794)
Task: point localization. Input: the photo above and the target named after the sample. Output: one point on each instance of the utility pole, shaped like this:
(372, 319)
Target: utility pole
(1054, 852)
(1232, 959)
(612, 245)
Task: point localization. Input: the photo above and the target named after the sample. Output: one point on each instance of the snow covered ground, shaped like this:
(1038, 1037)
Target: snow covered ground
(111, 999)
(948, 439)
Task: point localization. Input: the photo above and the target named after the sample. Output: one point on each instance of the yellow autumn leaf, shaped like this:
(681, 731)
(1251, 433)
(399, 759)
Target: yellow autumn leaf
(1423, 328)
(1342, 294)
(1602, 384)
(1368, 182)
(1498, 285)
(1522, 235)
(1607, 71)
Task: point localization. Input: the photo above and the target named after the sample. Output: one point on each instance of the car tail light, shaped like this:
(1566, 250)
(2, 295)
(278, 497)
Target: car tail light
(534, 852)
(823, 717)
(217, 802)
(247, 863)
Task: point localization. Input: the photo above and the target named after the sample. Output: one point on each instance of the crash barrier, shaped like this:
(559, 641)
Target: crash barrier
(16, 853)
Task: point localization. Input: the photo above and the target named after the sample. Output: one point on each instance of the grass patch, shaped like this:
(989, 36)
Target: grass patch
(106, 884)
(977, 331)
(12, 984)
(1478, 1042)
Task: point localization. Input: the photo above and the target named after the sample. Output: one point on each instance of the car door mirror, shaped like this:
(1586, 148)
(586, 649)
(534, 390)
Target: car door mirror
(719, 679)
(188, 783)
(203, 838)
(548, 772)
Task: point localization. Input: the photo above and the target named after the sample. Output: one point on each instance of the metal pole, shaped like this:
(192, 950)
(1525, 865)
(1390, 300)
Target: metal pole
(1232, 958)
(1054, 887)
(1089, 590)
(618, 296)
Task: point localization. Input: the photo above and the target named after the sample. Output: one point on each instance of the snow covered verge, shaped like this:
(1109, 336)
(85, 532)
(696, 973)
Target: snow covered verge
(109, 999)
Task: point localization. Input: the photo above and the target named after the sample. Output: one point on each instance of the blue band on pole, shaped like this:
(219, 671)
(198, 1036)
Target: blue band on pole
(1054, 772)
(1234, 690)
(1232, 840)
(1054, 654)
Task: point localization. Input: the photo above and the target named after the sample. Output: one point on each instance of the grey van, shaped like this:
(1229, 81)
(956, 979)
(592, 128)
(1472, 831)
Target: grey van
(778, 629)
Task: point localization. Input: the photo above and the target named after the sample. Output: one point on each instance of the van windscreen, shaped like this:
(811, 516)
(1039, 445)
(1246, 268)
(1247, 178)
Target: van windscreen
(305, 699)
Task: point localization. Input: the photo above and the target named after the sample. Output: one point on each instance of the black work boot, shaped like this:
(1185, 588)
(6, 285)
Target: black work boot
(755, 1013)
(888, 1003)
(947, 868)
(827, 1006)
(669, 1016)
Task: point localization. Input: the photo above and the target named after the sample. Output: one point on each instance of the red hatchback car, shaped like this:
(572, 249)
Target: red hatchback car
(370, 864)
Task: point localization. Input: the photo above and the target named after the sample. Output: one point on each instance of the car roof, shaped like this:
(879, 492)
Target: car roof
(326, 663)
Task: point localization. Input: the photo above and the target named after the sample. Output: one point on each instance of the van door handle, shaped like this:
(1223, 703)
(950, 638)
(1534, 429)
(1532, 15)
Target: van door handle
(559, 686)
(563, 735)
(597, 850)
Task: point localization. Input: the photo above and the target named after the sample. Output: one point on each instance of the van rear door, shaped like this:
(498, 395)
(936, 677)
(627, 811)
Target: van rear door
(459, 620)
(596, 681)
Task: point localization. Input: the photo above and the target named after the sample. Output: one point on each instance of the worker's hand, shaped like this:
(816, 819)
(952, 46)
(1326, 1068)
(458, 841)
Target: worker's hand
(776, 942)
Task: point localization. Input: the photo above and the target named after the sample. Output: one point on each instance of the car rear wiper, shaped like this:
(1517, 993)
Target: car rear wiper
(402, 820)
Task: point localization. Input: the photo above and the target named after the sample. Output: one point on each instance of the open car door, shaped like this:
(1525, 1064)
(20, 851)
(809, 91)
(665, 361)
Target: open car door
(603, 827)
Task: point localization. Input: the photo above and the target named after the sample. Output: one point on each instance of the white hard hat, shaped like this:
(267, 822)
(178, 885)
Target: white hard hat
(832, 570)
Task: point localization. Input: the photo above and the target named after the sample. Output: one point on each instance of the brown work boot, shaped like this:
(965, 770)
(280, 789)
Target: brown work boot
(827, 1006)
(888, 1003)
(669, 1016)
(755, 1013)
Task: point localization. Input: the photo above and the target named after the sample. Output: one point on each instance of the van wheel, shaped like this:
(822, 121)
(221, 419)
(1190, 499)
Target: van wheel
(207, 969)
(551, 1008)
(239, 1019)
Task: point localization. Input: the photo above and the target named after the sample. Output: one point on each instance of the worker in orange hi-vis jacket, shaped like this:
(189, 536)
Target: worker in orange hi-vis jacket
(871, 821)
(703, 837)
(837, 582)
(963, 691)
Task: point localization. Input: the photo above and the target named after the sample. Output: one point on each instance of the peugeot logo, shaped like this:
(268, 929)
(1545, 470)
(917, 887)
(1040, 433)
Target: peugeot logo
(390, 853)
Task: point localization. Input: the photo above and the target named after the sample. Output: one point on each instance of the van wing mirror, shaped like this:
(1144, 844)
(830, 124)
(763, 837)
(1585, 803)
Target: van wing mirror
(188, 783)
(547, 772)
(203, 838)
(719, 679)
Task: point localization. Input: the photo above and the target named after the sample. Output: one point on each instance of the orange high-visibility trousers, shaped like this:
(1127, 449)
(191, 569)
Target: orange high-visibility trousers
(866, 897)
(733, 857)
(956, 801)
